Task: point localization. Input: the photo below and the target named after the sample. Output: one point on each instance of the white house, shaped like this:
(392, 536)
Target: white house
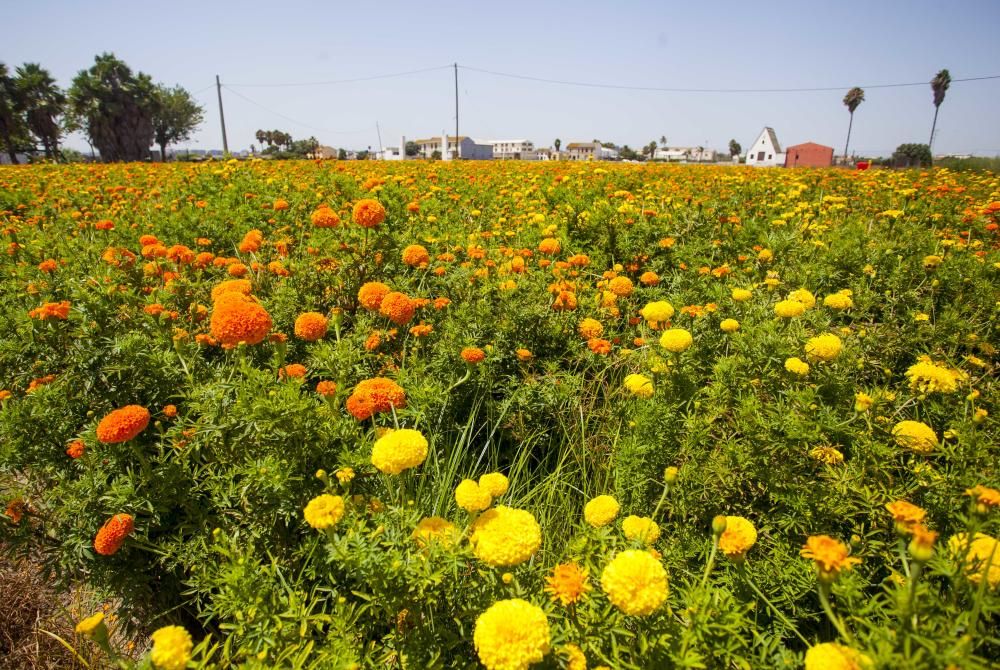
(685, 154)
(466, 147)
(394, 153)
(508, 149)
(582, 151)
(765, 150)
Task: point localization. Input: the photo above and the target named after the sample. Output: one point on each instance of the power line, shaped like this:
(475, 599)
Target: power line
(707, 90)
(295, 121)
(346, 81)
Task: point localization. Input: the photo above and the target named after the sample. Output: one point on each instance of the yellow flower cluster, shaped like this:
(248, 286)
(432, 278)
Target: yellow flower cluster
(927, 376)
(324, 511)
(635, 582)
(505, 536)
(839, 301)
(641, 528)
(788, 309)
(171, 648)
(511, 635)
(676, 340)
(823, 347)
(915, 435)
(601, 511)
(399, 450)
(832, 656)
(435, 529)
(797, 366)
(981, 555)
(471, 497)
(738, 538)
(640, 386)
(657, 313)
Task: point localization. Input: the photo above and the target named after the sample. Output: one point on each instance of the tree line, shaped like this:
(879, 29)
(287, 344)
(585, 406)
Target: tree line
(122, 113)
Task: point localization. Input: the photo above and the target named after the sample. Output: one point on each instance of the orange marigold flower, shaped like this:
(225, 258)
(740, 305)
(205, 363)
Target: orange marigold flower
(372, 396)
(549, 246)
(984, 496)
(473, 355)
(104, 224)
(239, 318)
(590, 328)
(123, 424)
(524, 355)
(51, 310)
(599, 346)
(649, 278)
(324, 217)
(370, 295)
(422, 330)
(311, 326)
(567, 584)
(416, 255)
(48, 265)
(280, 205)
(112, 534)
(905, 514)
(231, 286)
(15, 510)
(441, 303)
(397, 307)
(293, 371)
(237, 270)
(831, 556)
(373, 340)
(621, 286)
(326, 388)
(368, 213)
(146, 240)
(75, 449)
(170, 411)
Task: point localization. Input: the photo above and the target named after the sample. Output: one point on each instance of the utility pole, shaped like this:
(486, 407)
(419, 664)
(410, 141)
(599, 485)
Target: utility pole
(458, 146)
(379, 131)
(222, 117)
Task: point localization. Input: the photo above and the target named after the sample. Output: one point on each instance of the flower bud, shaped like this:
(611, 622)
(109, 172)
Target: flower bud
(719, 525)
(670, 474)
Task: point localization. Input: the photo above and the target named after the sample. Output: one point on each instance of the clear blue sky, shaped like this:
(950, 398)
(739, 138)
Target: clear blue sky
(662, 44)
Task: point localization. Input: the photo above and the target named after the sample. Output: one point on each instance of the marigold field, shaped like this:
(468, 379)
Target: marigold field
(451, 415)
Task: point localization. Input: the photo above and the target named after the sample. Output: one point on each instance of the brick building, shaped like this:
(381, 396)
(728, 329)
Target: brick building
(808, 154)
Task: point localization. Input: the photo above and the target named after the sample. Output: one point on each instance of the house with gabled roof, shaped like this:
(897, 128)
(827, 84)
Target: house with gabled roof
(765, 150)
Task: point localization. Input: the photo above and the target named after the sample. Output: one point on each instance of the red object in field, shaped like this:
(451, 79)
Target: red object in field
(863, 165)
(808, 154)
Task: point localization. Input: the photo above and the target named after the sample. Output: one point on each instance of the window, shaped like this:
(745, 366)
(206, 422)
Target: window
(769, 157)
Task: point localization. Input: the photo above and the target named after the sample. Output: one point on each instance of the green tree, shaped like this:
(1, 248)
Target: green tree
(342, 154)
(557, 143)
(177, 115)
(912, 155)
(43, 104)
(663, 141)
(115, 108)
(12, 127)
(734, 148)
(853, 98)
(939, 84)
(412, 149)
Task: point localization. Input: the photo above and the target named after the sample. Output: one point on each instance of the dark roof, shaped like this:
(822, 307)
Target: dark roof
(774, 139)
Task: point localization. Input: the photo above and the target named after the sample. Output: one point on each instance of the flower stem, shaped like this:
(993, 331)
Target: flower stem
(741, 567)
(824, 600)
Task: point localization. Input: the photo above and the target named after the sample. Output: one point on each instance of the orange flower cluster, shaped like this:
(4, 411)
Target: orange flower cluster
(112, 534)
(416, 255)
(310, 326)
(368, 213)
(51, 310)
(75, 449)
(252, 242)
(123, 424)
(239, 318)
(324, 217)
(293, 371)
(327, 389)
(373, 396)
(473, 355)
(397, 307)
(370, 295)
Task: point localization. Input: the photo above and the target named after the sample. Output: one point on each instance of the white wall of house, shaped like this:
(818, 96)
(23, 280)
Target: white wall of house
(765, 151)
(508, 149)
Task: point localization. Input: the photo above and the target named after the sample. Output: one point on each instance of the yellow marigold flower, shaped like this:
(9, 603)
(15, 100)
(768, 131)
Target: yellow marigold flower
(399, 450)
(471, 497)
(567, 584)
(862, 402)
(827, 454)
(676, 340)
(640, 386)
(504, 536)
(823, 347)
(590, 328)
(804, 296)
(635, 582)
(344, 475)
(435, 529)
(641, 528)
(906, 514)
(324, 511)
(932, 261)
(788, 309)
(915, 435)
(729, 325)
(524, 355)
(927, 376)
(511, 635)
(765, 255)
(657, 313)
(839, 301)
(831, 556)
(575, 658)
(601, 511)
(981, 555)
(90, 625)
(797, 366)
(741, 294)
(738, 538)
(171, 648)
(832, 656)
(494, 483)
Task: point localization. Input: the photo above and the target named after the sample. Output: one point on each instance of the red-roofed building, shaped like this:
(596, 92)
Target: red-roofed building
(808, 154)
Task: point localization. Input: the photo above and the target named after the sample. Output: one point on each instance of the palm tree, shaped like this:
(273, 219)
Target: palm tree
(853, 98)
(261, 138)
(734, 148)
(663, 141)
(939, 84)
(43, 103)
(11, 122)
(557, 143)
